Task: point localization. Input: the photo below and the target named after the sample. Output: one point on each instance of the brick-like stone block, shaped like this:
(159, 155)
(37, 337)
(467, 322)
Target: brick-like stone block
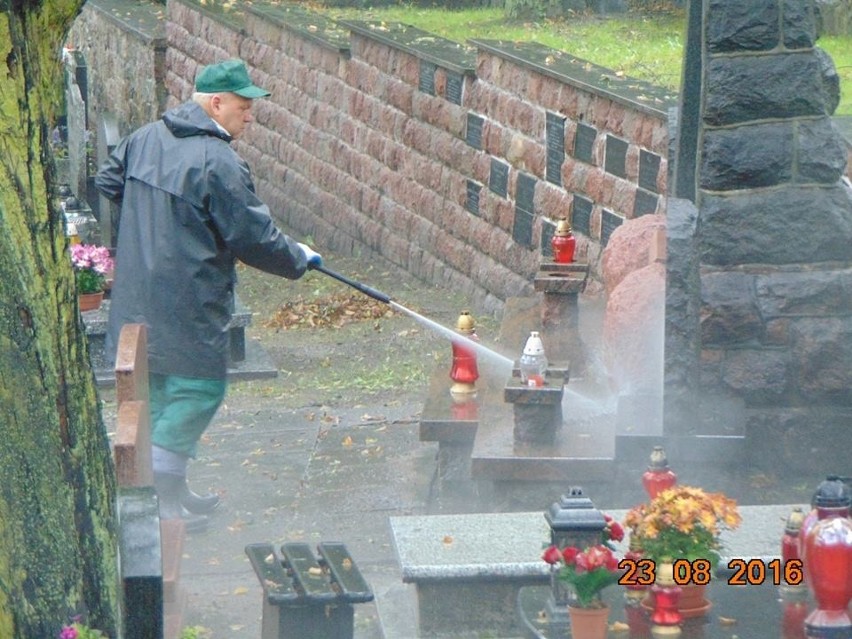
(132, 445)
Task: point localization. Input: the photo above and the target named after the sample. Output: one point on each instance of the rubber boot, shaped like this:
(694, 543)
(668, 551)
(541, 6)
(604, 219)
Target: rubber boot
(169, 489)
(198, 504)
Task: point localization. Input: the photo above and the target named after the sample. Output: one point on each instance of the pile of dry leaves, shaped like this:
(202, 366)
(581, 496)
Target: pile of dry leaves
(328, 311)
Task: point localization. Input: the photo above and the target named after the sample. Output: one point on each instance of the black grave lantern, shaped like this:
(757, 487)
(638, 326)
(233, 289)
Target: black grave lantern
(574, 521)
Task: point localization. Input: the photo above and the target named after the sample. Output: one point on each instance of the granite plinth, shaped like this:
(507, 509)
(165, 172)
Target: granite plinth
(479, 435)
(580, 450)
(536, 411)
(561, 279)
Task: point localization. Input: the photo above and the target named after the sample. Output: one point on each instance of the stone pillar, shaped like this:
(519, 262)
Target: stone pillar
(773, 229)
(537, 410)
(76, 88)
(560, 313)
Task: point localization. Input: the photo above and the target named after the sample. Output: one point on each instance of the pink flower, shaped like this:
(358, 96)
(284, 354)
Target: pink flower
(68, 632)
(91, 257)
(616, 531)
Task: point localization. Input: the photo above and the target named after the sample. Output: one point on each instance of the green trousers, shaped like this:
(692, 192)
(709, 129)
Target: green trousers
(182, 409)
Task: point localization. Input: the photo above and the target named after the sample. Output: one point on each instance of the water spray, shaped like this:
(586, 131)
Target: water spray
(450, 334)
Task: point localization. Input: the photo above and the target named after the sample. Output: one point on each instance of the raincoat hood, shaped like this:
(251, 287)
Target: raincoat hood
(190, 119)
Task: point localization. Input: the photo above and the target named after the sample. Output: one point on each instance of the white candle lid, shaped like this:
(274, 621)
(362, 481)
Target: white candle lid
(534, 345)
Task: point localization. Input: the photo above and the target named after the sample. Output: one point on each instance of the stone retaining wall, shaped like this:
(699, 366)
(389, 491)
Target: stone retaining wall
(124, 45)
(452, 161)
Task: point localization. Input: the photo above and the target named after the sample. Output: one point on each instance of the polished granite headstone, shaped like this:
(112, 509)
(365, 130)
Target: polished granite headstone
(247, 360)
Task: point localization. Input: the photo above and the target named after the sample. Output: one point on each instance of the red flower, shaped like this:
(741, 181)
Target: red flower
(570, 554)
(552, 555)
(616, 531)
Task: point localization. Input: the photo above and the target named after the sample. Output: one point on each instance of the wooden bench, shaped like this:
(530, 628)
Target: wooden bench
(305, 596)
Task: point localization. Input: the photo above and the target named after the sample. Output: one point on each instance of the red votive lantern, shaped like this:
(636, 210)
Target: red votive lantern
(666, 617)
(827, 561)
(659, 476)
(790, 546)
(464, 372)
(795, 610)
(563, 243)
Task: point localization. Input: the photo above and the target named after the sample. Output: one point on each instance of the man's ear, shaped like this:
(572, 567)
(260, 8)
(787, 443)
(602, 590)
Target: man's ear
(215, 102)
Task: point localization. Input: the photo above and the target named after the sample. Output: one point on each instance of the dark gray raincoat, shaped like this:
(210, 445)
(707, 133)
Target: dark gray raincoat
(188, 212)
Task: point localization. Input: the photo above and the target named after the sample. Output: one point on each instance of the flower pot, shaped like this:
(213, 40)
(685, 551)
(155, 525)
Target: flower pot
(692, 601)
(589, 623)
(90, 301)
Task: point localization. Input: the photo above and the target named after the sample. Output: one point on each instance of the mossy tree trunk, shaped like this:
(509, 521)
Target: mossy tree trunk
(57, 487)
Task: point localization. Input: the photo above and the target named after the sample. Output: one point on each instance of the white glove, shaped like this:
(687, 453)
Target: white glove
(311, 256)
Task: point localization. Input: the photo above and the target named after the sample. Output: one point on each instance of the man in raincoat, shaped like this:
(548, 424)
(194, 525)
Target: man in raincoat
(188, 212)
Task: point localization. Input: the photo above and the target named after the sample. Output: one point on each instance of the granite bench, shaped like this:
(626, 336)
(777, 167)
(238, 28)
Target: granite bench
(468, 569)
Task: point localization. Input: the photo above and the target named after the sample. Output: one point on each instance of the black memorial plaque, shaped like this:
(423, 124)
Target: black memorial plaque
(524, 210)
(522, 228)
(455, 87)
(649, 168)
(581, 215)
(584, 142)
(609, 222)
(555, 138)
(547, 230)
(473, 132)
(498, 181)
(471, 202)
(427, 77)
(644, 203)
(616, 156)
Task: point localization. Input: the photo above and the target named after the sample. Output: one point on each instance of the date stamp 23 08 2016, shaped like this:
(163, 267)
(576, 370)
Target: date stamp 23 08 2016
(744, 572)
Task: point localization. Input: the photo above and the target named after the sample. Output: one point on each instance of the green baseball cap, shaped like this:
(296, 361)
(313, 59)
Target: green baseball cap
(230, 76)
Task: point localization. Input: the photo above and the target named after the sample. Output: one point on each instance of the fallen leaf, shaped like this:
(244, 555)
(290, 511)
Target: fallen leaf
(347, 441)
(330, 311)
(241, 590)
(448, 539)
(727, 621)
(618, 626)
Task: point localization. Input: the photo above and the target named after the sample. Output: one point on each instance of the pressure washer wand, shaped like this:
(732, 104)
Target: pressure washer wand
(366, 290)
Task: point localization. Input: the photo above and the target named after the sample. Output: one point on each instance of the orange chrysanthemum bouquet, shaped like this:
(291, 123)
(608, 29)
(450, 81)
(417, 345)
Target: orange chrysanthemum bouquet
(682, 522)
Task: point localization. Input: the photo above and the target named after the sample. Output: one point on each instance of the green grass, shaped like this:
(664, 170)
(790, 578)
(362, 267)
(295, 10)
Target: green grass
(645, 47)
